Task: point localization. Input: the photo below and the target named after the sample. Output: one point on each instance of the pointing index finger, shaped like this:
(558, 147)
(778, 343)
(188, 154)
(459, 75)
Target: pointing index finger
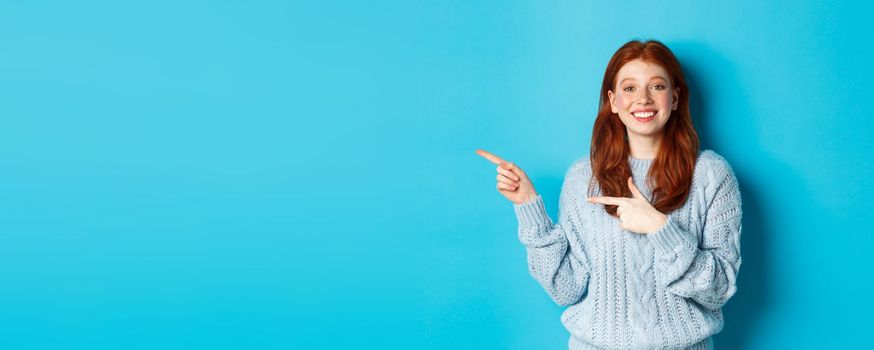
(606, 200)
(491, 157)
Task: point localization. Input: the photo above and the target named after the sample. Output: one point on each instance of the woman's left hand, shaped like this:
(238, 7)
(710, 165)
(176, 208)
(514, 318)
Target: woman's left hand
(635, 213)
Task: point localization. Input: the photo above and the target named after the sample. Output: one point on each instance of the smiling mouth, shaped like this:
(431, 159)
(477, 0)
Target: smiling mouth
(644, 117)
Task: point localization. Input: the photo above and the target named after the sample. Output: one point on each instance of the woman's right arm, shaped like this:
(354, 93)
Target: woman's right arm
(558, 268)
(551, 261)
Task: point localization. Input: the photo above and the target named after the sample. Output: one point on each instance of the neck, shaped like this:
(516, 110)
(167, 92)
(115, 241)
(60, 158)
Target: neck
(644, 147)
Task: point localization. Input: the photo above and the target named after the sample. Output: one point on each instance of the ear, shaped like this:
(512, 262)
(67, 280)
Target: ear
(676, 99)
(612, 105)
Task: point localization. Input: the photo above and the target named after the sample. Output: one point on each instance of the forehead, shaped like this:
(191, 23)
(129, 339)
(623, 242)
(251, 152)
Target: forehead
(638, 69)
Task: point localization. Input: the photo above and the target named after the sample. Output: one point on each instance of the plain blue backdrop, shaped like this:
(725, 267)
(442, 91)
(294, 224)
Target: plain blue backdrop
(297, 175)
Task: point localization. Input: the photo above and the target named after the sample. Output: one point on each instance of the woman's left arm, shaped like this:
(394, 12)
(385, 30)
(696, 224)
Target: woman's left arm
(705, 273)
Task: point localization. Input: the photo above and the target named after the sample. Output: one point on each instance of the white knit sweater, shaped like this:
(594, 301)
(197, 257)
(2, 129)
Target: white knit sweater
(626, 290)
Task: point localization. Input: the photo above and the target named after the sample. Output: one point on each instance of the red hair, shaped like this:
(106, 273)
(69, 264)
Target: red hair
(670, 176)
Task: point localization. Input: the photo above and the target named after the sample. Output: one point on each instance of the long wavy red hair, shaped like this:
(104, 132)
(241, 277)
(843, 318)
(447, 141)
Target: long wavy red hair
(670, 176)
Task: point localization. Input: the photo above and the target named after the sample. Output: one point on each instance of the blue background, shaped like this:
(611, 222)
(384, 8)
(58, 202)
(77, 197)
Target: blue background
(231, 174)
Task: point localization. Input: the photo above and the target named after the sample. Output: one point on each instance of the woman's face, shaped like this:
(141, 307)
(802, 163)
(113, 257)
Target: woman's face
(643, 97)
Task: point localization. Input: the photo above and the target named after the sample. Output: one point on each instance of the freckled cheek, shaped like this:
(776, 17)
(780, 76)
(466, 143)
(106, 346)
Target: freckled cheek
(664, 102)
(623, 102)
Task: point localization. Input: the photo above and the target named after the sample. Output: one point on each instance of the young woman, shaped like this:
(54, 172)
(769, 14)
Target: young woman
(646, 250)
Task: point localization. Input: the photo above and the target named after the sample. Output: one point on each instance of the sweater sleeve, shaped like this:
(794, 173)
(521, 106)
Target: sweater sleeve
(706, 273)
(563, 273)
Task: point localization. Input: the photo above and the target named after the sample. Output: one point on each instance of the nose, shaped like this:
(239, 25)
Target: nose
(643, 97)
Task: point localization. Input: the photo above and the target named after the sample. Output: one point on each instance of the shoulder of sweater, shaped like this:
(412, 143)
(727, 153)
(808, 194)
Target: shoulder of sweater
(580, 167)
(714, 165)
(579, 172)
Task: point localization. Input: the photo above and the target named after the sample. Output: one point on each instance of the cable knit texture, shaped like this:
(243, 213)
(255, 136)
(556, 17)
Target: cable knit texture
(661, 290)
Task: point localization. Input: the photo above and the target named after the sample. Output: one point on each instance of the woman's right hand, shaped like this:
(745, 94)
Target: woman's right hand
(512, 181)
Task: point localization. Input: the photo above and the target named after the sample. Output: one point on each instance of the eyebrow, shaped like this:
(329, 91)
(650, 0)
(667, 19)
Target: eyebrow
(650, 79)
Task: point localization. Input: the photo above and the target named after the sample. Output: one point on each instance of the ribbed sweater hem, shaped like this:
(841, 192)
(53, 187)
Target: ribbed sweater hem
(670, 238)
(578, 344)
(532, 214)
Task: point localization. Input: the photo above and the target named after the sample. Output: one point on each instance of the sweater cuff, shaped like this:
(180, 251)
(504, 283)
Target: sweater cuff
(532, 213)
(670, 238)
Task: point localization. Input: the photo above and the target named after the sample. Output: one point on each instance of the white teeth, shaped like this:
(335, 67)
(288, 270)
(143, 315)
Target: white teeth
(644, 114)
